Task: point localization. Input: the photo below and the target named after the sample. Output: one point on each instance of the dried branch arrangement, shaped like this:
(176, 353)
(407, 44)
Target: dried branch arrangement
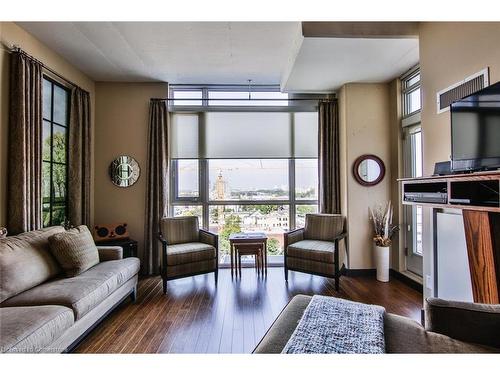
(384, 230)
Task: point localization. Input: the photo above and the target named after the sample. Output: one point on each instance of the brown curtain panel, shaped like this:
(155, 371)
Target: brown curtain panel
(79, 158)
(25, 145)
(329, 154)
(157, 185)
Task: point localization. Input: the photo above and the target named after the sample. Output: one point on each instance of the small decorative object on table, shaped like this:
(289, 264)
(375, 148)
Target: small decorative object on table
(384, 231)
(3, 232)
(111, 232)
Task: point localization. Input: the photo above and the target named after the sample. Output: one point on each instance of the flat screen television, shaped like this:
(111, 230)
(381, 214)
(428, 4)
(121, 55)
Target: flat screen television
(475, 131)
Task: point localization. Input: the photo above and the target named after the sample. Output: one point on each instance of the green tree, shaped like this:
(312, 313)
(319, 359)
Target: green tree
(305, 209)
(264, 209)
(232, 224)
(54, 149)
(273, 247)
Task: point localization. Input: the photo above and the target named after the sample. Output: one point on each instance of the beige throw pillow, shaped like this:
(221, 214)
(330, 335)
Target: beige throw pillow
(75, 250)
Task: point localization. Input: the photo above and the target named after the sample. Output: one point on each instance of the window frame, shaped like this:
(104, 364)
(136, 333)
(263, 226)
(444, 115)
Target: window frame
(410, 125)
(51, 162)
(206, 203)
(407, 90)
(307, 103)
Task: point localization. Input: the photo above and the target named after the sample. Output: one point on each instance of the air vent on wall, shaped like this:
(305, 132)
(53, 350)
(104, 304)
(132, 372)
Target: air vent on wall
(461, 89)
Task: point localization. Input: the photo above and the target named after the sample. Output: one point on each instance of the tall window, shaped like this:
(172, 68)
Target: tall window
(412, 153)
(54, 152)
(248, 163)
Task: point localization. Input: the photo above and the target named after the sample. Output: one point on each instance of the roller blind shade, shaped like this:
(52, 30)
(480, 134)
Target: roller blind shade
(184, 136)
(219, 135)
(306, 134)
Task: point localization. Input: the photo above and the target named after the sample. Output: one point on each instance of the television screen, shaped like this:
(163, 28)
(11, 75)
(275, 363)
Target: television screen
(475, 132)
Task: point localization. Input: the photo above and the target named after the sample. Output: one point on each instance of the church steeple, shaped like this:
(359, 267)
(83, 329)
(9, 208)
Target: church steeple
(220, 187)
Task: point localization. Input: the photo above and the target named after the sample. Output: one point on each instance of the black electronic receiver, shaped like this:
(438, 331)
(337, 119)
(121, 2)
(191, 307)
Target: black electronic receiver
(421, 197)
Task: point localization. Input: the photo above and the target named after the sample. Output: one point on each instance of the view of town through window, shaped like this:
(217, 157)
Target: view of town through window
(244, 159)
(264, 186)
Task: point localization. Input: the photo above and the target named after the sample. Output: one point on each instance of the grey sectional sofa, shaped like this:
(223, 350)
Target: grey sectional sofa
(451, 327)
(43, 311)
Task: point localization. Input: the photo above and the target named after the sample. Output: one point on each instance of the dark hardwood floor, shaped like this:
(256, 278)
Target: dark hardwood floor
(196, 317)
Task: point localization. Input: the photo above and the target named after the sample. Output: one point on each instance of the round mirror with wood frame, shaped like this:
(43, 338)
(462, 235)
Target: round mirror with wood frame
(368, 170)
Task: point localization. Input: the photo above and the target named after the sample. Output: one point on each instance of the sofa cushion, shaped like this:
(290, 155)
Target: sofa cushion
(30, 329)
(75, 250)
(323, 227)
(404, 335)
(189, 253)
(83, 292)
(475, 322)
(319, 251)
(25, 261)
(181, 229)
(283, 327)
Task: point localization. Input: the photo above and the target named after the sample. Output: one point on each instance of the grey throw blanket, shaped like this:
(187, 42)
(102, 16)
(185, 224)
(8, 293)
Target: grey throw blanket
(334, 325)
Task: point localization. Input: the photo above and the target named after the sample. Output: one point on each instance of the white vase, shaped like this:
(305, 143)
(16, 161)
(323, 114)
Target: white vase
(382, 262)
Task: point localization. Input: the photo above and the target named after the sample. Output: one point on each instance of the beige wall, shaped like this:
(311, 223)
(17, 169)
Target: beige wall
(449, 52)
(11, 34)
(364, 129)
(122, 111)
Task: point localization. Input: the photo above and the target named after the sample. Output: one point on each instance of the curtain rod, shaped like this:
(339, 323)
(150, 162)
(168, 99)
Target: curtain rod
(15, 48)
(246, 99)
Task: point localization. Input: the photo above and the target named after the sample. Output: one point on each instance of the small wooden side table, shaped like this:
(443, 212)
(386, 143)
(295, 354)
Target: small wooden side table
(128, 245)
(253, 238)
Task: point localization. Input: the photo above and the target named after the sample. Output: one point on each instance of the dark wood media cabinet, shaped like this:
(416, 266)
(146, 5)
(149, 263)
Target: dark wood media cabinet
(478, 196)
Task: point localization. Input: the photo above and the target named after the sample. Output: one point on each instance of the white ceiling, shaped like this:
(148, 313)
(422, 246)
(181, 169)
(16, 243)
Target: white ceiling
(176, 52)
(325, 64)
(225, 53)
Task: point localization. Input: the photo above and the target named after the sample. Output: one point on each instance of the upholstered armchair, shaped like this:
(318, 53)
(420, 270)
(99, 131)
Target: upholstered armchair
(187, 249)
(314, 249)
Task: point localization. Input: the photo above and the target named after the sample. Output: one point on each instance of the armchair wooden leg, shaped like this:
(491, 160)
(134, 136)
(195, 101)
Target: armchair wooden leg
(164, 285)
(216, 276)
(239, 263)
(286, 274)
(336, 260)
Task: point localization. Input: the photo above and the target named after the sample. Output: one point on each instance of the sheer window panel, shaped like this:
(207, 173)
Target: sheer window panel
(306, 179)
(188, 94)
(184, 136)
(243, 96)
(305, 134)
(414, 101)
(61, 99)
(188, 178)
(47, 99)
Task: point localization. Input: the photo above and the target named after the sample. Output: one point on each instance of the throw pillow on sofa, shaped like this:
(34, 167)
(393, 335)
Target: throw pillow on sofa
(75, 250)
